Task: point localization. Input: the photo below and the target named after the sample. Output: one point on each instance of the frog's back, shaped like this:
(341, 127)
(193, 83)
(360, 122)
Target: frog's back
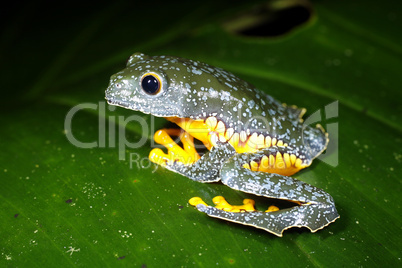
(205, 91)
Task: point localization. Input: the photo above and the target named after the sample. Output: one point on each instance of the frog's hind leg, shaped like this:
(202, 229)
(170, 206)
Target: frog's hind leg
(186, 160)
(312, 216)
(315, 209)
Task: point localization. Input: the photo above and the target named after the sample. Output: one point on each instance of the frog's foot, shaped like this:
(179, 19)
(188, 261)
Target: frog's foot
(273, 220)
(315, 208)
(176, 154)
(201, 169)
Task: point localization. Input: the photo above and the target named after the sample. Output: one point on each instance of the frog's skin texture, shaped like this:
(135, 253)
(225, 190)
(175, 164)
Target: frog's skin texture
(255, 143)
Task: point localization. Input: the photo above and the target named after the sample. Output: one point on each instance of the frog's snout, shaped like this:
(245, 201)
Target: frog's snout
(110, 92)
(116, 93)
(119, 88)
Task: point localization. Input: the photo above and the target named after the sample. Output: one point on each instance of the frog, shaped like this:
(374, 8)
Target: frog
(252, 142)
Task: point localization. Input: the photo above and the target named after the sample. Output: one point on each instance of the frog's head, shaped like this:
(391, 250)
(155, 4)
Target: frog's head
(143, 86)
(175, 87)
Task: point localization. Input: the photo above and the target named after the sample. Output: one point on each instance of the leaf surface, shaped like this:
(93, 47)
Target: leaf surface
(69, 206)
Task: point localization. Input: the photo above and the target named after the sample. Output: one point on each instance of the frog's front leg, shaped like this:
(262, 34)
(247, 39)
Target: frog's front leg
(315, 208)
(186, 160)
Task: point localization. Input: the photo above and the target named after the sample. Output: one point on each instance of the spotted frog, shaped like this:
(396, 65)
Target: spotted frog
(254, 143)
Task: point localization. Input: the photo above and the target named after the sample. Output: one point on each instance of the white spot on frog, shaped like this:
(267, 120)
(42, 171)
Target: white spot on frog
(196, 71)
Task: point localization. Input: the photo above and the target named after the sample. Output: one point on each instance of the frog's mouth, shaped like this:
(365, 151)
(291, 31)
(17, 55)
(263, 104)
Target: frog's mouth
(117, 103)
(144, 107)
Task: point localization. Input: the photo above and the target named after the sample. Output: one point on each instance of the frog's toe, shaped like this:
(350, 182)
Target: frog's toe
(168, 161)
(221, 204)
(157, 156)
(195, 201)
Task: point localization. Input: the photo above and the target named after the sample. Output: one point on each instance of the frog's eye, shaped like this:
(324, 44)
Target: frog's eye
(151, 83)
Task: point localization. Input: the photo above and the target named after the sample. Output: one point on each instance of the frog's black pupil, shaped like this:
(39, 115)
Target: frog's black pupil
(150, 84)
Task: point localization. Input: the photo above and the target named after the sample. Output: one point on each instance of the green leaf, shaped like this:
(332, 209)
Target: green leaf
(62, 205)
